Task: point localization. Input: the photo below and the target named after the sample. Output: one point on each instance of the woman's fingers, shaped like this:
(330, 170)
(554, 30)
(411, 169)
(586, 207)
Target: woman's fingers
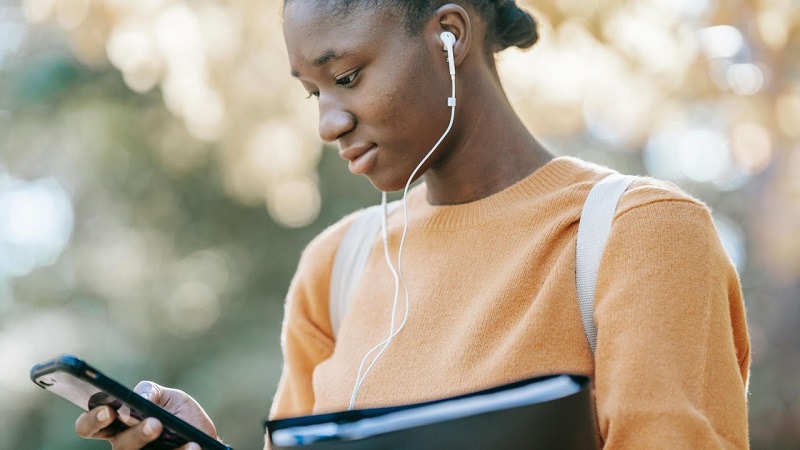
(138, 436)
(190, 446)
(98, 424)
(93, 424)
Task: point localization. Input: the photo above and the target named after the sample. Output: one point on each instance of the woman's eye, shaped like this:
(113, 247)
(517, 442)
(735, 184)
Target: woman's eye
(347, 80)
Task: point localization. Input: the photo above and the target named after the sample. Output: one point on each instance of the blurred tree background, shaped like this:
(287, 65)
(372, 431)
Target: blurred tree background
(160, 174)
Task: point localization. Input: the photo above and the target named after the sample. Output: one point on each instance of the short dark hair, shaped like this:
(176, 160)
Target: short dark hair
(507, 24)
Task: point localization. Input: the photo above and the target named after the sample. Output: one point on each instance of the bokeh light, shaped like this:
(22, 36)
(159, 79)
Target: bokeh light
(36, 222)
(703, 155)
(295, 201)
(752, 147)
(192, 308)
(721, 41)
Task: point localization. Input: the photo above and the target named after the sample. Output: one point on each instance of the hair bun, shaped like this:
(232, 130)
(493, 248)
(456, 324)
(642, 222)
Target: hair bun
(514, 27)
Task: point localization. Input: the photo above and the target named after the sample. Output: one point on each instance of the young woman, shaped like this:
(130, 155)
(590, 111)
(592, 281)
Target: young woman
(489, 259)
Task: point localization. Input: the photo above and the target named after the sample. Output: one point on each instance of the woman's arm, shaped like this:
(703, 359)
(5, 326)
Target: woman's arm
(673, 352)
(306, 337)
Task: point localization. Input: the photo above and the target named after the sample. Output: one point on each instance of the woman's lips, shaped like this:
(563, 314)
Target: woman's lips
(362, 162)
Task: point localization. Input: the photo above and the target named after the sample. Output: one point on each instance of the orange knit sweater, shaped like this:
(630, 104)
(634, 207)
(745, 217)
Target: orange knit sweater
(493, 299)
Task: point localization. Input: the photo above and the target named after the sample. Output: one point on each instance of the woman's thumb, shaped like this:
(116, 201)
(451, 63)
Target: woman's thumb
(151, 391)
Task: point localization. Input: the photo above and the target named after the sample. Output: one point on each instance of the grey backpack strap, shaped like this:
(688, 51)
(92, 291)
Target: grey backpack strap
(351, 258)
(593, 231)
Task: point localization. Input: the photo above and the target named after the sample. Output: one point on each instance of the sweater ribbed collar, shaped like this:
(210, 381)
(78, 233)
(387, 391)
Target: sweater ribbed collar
(554, 175)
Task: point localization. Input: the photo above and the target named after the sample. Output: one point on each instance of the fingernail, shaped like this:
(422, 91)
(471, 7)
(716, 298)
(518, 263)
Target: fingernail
(102, 415)
(149, 428)
(194, 446)
(146, 395)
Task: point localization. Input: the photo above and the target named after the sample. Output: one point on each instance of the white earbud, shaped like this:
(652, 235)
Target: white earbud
(449, 40)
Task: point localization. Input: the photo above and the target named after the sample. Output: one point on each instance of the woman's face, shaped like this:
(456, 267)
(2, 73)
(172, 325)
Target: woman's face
(382, 93)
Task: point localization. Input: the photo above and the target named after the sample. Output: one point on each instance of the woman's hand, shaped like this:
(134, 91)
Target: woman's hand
(95, 423)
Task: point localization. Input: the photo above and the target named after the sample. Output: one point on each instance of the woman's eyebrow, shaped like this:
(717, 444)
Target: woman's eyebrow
(326, 57)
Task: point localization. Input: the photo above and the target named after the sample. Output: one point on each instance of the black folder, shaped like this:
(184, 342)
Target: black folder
(552, 412)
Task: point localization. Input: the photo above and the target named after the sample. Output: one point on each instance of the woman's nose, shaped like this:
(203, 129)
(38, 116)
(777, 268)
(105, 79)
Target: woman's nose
(334, 120)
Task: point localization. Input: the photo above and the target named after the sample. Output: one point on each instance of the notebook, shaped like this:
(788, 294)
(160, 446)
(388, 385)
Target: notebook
(543, 412)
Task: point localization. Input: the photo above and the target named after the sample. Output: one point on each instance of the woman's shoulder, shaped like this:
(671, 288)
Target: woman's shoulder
(648, 191)
(643, 190)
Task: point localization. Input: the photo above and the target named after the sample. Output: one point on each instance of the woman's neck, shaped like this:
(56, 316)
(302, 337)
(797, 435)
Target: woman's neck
(494, 150)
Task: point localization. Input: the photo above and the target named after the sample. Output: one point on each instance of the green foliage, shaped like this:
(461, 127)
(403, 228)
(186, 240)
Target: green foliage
(45, 76)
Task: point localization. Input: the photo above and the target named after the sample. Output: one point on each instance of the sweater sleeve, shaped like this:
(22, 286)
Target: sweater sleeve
(673, 352)
(306, 336)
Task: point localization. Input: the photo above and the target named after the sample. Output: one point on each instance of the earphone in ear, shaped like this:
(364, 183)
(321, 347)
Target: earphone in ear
(449, 40)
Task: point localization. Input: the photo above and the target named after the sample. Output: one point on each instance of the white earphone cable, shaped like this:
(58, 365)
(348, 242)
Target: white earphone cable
(385, 342)
(383, 345)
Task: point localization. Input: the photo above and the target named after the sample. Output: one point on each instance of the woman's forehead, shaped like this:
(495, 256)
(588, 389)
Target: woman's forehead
(326, 14)
(311, 29)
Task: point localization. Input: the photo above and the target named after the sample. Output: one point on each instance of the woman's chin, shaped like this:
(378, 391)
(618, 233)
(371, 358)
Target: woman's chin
(385, 182)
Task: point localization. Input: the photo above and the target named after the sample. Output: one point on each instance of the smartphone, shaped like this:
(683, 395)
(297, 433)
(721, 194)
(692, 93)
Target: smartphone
(86, 387)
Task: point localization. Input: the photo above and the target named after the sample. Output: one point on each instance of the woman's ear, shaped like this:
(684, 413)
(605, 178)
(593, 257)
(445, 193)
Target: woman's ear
(453, 18)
